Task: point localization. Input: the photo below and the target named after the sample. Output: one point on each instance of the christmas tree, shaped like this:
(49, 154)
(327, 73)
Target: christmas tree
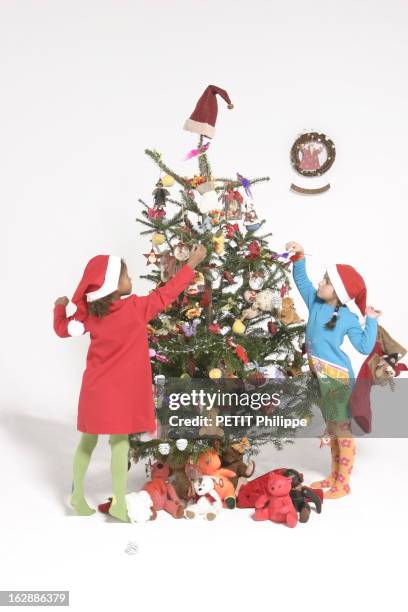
(236, 321)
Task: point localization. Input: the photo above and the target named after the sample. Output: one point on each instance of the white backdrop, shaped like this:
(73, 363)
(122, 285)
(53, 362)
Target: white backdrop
(88, 85)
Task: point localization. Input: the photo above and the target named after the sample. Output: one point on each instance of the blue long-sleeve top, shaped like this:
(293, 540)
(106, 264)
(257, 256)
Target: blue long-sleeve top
(325, 344)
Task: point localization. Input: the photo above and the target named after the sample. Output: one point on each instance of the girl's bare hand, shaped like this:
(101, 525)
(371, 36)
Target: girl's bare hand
(62, 300)
(198, 253)
(372, 312)
(294, 246)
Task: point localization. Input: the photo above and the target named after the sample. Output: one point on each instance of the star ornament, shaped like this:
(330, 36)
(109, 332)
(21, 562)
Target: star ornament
(152, 258)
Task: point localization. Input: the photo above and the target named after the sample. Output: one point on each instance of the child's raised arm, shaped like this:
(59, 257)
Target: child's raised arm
(63, 325)
(363, 338)
(302, 281)
(162, 297)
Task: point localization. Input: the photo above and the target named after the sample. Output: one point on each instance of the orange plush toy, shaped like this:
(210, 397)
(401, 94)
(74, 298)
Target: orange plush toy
(209, 464)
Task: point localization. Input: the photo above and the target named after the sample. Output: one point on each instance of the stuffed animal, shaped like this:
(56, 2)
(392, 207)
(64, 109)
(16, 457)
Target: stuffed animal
(156, 494)
(209, 464)
(379, 368)
(232, 459)
(301, 496)
(162, 492)
(180, 477)
(139, 507)
(276, 505)
(206, 502)
(288, 314)
(264, 301)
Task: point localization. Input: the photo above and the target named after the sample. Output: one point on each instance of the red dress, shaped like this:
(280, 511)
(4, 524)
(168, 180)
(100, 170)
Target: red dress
(116, 393)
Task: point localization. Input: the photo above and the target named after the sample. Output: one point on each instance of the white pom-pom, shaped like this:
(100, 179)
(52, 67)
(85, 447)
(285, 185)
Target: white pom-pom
(75, 328)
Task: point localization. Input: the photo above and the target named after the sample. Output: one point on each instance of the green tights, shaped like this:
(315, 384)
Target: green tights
(119, 468)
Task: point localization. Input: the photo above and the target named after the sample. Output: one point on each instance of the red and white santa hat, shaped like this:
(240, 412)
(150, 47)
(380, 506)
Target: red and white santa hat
(100, 278)
(202, 121)
(348, 285)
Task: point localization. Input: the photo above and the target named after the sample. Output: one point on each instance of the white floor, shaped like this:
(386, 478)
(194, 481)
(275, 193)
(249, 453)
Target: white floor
(352, 554)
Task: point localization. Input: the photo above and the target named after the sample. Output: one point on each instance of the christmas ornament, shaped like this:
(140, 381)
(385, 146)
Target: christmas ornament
(246, 184)
(190, 329)
(152, 258)
(197, 286)
(218, 241)
(272, 328)
(257, 280)
(197, 180)
(159, 195)
(254, 250)
(181, 252)
(164, 448)
(156, 213)
(231, 229)
(181, 444)
(193, 312)
(250, 296)
(216, 216)
(214, 328)
(233, 204)
(158, 238)
(197, 152)
(251, 218)
(215, 373)
(241, 353)
(206, 298)
(208, 197)
(238, 327)
(229, 278)
(264, 302)
(167, 180)
(155, 355)
(205, 225)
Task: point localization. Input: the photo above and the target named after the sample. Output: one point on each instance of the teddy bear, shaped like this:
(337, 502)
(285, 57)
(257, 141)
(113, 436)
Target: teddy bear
(181, 475)
(301, 496)
(276, 505)
(209, 464)
(264, 301)
(206, 501)
(232, 459)
(288, 314)
(162, 492)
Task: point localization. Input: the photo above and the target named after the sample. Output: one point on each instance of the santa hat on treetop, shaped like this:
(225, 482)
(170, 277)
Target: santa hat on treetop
(348, 285)
(202, 121)
(100, 278)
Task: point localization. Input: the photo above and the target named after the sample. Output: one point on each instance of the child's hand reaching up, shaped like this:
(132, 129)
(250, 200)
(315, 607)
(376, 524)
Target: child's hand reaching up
(295, 247)
(62, 300)
(198, 253)
(372, 312)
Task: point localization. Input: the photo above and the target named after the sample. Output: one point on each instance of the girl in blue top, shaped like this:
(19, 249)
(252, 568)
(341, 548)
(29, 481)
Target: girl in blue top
(330, 320)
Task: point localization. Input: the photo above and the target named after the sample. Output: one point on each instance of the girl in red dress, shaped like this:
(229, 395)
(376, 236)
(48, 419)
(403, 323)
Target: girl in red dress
(116, 393)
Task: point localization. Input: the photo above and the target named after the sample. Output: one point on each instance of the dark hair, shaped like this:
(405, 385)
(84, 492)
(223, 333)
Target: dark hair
(99, 308)
(332, 323)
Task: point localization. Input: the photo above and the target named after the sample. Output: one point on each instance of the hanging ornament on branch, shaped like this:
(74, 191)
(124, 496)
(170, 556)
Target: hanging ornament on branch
(257, 279)
(160, 195)
(152, 258)
(251, 220)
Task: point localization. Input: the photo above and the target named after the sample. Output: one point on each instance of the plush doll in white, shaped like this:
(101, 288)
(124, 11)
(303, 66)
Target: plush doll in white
(207, 503)
(139, 506)
(264, 301)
